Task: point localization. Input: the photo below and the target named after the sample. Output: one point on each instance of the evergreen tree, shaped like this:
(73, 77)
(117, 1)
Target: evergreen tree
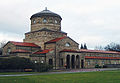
(81, 46)
(85, 46)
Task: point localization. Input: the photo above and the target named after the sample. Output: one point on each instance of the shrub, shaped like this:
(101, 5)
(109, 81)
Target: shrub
(16, 63)
(42, 67)
(23, 64)
(97, 66)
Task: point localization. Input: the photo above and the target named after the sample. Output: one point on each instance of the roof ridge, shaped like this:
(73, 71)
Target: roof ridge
(24, 44)
(55, 40)
(20, 50)
(43, 51)
(86, 50)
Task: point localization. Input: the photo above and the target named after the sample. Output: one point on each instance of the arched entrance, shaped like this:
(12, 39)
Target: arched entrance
(68, 61)
(73, 61)
(50, 62)
(77, 61)
(82, 63)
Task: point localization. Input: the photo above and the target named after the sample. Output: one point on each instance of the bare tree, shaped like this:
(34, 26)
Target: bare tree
(113, 47)
(2, 43)
(99, 48)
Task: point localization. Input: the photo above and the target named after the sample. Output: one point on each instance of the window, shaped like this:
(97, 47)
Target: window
(50, 62)
(67, 44)
(42, 61)
(88, 62)
(44, 20)
(8, 50)
(51, 20)
(34, 21)
(115, 62)
(62, 62)
(103, 62)
(36, 61)
(38, 20)
(56, 22)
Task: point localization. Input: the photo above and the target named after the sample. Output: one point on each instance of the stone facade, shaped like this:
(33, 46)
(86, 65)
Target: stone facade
(18, 50)
(42, 36)
(46, 43)
(87, 63)
(52, 23)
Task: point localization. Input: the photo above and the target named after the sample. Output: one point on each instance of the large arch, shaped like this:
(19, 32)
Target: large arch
(82, 63)
(68, 61)
(73, 61)
(77, 61)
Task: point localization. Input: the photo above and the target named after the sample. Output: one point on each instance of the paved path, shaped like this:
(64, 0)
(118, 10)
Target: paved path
(68, 71)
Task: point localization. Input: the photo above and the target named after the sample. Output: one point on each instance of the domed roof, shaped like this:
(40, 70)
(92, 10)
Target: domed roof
(45, 13)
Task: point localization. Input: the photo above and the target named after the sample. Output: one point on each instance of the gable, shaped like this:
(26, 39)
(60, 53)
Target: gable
(67, 43)
(55, 40)
(24, 44)
(68, 40)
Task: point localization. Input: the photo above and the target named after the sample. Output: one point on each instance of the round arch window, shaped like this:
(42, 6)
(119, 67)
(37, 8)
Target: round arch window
(56, 21)
(34, 21)
(44, 20)
(8, 50)
(67, 44)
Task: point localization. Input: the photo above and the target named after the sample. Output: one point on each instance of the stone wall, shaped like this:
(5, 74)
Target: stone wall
(50, 46)
(61, 45)
(10, 46)
(89, 63)
(52, 23)
(41, 37)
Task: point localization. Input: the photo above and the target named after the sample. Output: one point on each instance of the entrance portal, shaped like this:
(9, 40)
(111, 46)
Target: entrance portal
(50, 62)
(82, 63)
(77, 61)
(73, 61)
(68, 61)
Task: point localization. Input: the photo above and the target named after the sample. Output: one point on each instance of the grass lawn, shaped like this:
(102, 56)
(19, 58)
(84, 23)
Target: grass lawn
(13, 73)
(83, 77)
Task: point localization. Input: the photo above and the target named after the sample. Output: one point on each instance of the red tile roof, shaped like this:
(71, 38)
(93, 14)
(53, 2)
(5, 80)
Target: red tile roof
(68, 50)
(24, 44)
(99, 51)
(55, 40)
(94, 57)
(90, 51)
(20, 51)
(43, 51)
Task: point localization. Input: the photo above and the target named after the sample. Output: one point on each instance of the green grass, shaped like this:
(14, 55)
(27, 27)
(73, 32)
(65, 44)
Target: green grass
(13, 73)
(88, 77)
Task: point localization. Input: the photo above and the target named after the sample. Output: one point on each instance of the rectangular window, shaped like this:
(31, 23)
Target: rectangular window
(50, 62)
(61, 62)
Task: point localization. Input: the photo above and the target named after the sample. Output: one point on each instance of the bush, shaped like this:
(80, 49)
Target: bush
(16, 63)
(97, 66)
(104, 66)
(42, 67)
(23, 64)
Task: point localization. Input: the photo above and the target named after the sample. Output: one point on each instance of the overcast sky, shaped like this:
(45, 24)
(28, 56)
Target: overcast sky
(94, 22)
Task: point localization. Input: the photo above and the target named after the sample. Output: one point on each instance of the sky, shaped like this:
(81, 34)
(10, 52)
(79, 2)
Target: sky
(94, 22)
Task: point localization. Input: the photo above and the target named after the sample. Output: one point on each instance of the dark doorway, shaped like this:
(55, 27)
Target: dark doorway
(61, 60)
(77, 61)
(50, 62)
(82, 63)
(73, 61)
(68, 62)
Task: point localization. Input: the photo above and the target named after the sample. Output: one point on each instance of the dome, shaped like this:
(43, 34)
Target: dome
(45, 13)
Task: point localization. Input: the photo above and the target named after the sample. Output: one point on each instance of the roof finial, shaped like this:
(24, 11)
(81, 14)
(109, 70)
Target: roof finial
(45, 8)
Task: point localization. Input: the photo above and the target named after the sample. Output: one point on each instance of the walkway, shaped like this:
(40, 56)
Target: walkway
(68, 71)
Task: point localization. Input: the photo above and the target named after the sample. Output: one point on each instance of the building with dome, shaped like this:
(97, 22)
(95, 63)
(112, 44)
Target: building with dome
(47, 43)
